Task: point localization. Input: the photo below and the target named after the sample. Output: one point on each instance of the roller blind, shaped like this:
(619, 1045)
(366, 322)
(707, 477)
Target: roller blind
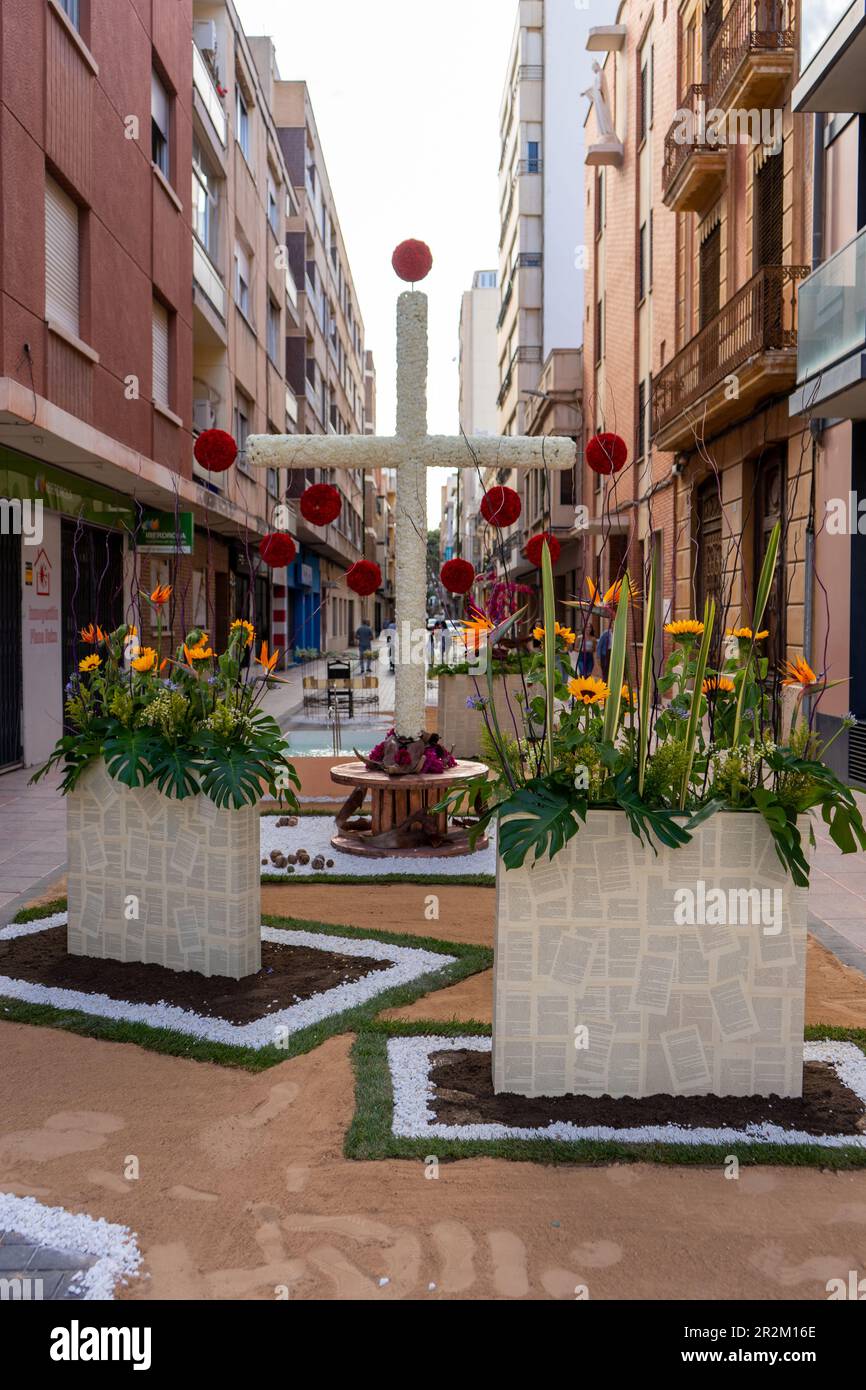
(160, 354)
(61, 258)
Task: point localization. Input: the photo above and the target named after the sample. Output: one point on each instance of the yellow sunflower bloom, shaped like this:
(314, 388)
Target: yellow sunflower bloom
(145, 661)
(588, 689)
(247, 627)
(798, 673)
(559, 631)
(200, 652)
(685, 627)
(628, 695)
(90, 663)
(720, 685)
(745, 634)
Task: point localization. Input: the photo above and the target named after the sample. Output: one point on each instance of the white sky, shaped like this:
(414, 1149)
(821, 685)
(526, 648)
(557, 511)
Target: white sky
(406, 97)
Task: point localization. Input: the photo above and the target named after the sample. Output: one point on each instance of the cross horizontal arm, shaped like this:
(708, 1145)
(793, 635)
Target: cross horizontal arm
(382, 451)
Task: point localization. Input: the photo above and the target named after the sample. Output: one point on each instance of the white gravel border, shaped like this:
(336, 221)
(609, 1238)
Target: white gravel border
(407, 964)
(117, 1254)
(314, 833)
(409, 1064)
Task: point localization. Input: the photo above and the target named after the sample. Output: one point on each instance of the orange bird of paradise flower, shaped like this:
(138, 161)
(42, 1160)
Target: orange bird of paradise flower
(93, 634)
(799, 673)
(161, 595)
(266, 661)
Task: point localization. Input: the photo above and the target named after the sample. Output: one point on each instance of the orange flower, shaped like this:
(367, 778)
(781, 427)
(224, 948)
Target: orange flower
(628, 695)
(268, 662)
(565, 633)
(145, 661)
(610, 596)
(200, 652)
(798, 673)
(161, 595)
(163, 665)
(588, 689)
(718, 685)
(93, 635)
(745, 634)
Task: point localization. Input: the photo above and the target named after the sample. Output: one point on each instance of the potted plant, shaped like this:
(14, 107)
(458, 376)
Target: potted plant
(165, 763)
(653, 865)
(464, 691)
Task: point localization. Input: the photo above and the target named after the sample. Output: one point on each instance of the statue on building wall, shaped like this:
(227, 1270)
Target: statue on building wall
(598, 95)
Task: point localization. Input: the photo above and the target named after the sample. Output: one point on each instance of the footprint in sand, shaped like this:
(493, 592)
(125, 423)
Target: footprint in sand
(770, 1261)
(297, 1178)
(191, 1194)
(234, 1138)
(110, 1181)
(67, 1132)
(597, 1254)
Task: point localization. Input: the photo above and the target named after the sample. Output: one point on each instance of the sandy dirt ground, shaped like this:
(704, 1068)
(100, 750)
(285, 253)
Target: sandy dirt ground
(243, 1191)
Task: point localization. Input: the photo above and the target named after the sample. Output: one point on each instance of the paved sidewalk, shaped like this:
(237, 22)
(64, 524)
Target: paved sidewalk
(44, 1274)
(32, 837)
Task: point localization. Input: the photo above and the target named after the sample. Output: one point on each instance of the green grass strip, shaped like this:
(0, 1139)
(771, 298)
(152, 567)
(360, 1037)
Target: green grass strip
(369, 1136)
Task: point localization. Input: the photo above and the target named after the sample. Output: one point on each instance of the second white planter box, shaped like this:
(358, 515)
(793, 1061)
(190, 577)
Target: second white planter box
(460, 728)
(625, 974)
(175, 883)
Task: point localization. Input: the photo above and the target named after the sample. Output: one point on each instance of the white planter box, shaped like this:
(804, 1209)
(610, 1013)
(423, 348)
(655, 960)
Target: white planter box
(460, 728)
(189, 870)
(595, 939)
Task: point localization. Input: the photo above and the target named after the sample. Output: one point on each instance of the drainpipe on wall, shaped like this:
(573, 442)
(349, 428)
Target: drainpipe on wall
(816, 426)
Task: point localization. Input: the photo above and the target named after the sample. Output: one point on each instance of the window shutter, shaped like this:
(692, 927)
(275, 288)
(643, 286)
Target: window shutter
(159, 105)
(160, 354)
(61, 258)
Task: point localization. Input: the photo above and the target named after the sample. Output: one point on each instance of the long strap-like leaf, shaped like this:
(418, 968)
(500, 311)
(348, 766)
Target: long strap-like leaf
(761, 596)
(549, 609)
(646, 674)
(695, 711)
(618, 645)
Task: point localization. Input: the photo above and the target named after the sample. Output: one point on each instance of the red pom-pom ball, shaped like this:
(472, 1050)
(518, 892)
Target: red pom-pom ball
(412, 260)
(320, 504)
(215, 450)
(457, 576)
(606, 453)
(501, 506)
(277, 550)
(535, 546)
(364, 577)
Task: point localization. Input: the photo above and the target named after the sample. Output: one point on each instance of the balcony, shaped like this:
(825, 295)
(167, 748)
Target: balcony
(208, 278)
(831, 349)
(753, 55)
(203, 84)
(530, 353)
(753, 339)
(524, 260)
(694, 168)
(832, 56)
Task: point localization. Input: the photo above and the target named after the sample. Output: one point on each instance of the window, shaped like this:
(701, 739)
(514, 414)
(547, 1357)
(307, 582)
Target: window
(533, 162)
(643, 262)
(643, 104)
(710, 265)
(273, 207)
(641, 419)
(241, 423)
(159, 124)
(273, 481)
(600, 202)
(160, 354)
(273, 332)
(72, 10)
(242, 121)
(599, 329)
(62, 256)
(243, 279)
(204, 202)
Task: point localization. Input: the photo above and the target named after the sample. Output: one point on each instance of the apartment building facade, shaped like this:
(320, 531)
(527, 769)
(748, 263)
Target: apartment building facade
(702, 227)
(542, 262)
(478, 387)
(326, 367)
(830, 395)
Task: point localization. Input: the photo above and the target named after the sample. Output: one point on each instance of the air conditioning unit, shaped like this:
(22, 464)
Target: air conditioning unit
(203, 415)
(205, 36)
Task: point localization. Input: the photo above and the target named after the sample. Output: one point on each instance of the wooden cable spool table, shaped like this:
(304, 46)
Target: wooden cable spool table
(402, 821)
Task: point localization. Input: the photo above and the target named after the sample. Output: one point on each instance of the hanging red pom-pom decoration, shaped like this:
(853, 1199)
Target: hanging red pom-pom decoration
(364, 577)
(535, 546)
(215, 450)
(320, 504)
(277, 550)
(606, 453)
(412, 260)
(457, 576)
(501, 506)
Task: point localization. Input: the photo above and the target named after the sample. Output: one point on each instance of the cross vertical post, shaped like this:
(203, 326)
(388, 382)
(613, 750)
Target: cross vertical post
(410, 588)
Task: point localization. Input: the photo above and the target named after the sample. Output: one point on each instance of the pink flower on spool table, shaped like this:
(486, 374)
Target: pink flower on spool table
(402, 757)
(377, 753)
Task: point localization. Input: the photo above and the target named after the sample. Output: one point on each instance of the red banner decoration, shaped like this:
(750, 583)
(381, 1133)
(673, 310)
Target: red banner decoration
(320, 504)
(535, 546)
(277, 550)
(501, 506)
(457, 576)
(215, 450)
(412, 260)
(364, 577)
(606, 453)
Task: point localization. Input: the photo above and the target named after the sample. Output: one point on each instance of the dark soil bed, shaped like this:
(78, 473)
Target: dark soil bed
(289, 974)
(463, 1095)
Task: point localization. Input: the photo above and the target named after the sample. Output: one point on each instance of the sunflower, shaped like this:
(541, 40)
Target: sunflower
(268, 662)
(160, 595)
(718, 685)
(93, 635)
(588, 689)
(200, 652)
(247, 628)
(798, 673)
(746, 634)
(90, 663)
(628, 695)
(145, 661)
(685, 628)
(565, 633)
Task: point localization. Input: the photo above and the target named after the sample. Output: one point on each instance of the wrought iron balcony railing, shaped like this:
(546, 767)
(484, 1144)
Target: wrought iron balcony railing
(760, 317)
(750, 26)
(682, 139)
